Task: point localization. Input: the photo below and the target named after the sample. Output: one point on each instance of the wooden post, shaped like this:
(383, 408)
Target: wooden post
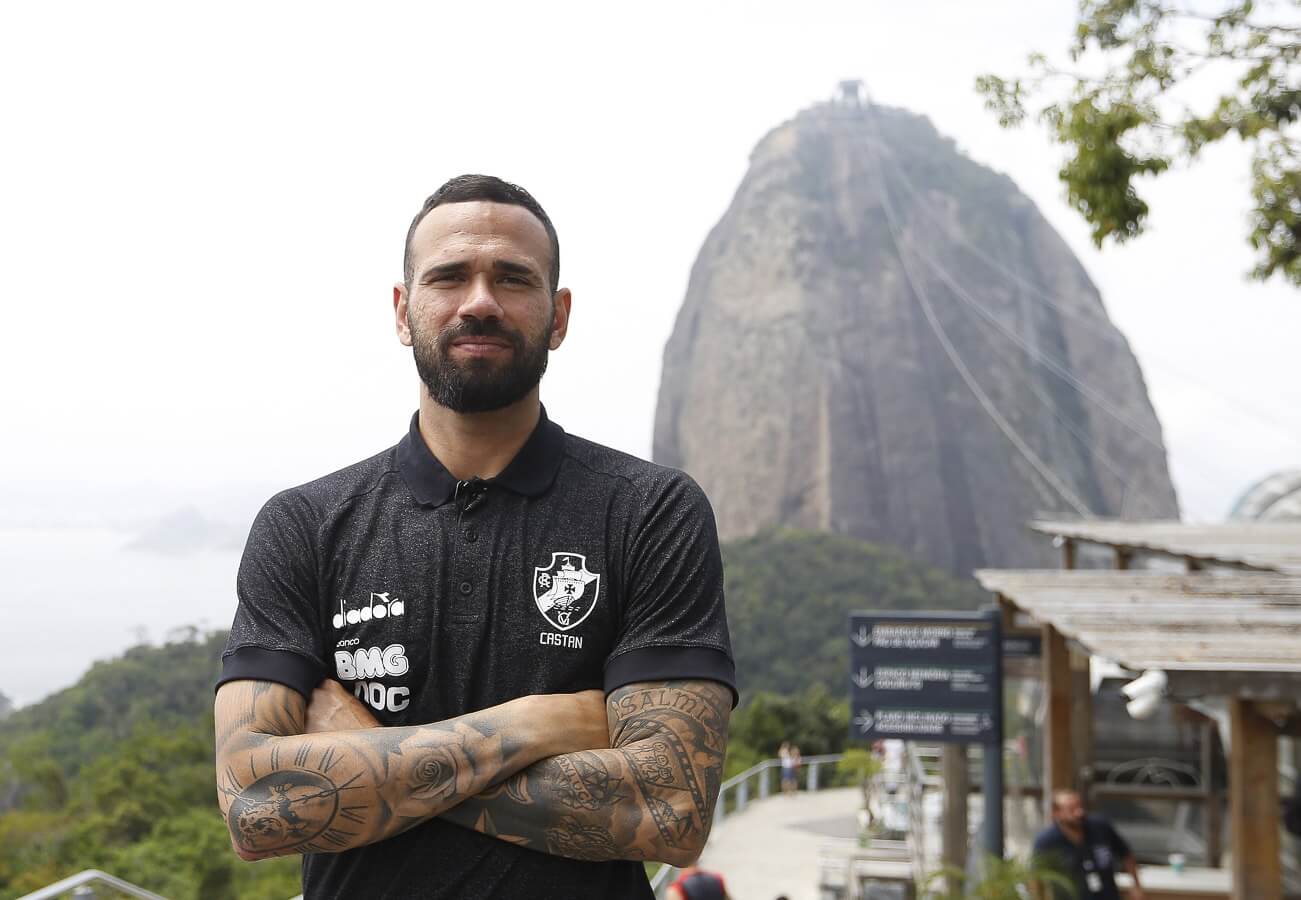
(1058, 752)
(957, 788)
(1081, 725)
(1124, 556)
(1068, 554)
(1212, 807)
(1253, 804)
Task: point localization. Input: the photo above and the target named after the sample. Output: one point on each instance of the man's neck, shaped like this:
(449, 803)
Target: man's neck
(479, 445)
(1073, 833)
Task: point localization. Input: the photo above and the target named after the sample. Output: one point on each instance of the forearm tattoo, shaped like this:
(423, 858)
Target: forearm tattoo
(283, 792)
(650, 798)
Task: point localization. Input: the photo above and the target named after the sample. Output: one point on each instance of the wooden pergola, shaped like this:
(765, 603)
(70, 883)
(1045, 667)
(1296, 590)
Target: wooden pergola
(1228, 627)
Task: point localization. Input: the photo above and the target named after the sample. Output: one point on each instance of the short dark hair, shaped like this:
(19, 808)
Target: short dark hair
(469, 188)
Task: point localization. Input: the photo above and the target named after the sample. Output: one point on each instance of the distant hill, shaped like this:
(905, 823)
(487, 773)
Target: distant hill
(884, 339)
(789, 594)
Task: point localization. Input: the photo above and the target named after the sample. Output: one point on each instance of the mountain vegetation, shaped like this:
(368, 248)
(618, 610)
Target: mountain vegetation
(116, 772)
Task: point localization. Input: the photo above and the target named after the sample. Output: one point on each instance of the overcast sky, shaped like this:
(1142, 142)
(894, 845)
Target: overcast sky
(202, 210)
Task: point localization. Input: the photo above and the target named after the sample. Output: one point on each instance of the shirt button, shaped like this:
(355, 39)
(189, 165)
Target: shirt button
(466, 588)
(471, 535)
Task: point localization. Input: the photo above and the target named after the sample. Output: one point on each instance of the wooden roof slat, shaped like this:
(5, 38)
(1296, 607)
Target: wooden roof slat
(1240, 621)
(1272, 546)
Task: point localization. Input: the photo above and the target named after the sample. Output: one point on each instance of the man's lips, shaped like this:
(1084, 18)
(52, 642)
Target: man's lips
(478, 344)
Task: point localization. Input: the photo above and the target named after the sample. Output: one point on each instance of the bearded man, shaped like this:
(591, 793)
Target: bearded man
(492, 660)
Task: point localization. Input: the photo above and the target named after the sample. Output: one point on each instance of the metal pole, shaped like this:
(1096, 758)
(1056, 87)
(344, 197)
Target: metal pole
(993, 751)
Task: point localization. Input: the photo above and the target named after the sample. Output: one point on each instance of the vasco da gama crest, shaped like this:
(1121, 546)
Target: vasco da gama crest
(565, 591)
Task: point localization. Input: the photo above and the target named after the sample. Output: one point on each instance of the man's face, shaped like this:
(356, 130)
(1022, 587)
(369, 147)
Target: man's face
(479, 313)
(1069, 810)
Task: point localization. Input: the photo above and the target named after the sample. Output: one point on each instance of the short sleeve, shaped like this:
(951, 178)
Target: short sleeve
(674, 624)
(277, 627)
(1120, 848)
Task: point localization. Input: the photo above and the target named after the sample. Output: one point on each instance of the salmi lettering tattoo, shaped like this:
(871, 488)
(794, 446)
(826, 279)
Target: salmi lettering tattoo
(284, 792)
(650, 797)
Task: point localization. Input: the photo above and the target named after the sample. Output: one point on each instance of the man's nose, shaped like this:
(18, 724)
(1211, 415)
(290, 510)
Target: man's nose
(480, 300)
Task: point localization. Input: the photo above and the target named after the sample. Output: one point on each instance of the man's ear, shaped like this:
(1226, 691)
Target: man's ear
(400, 313)
(560, 317)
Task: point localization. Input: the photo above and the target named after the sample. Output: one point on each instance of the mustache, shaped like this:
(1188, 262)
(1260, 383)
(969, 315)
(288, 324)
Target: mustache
(480, 328)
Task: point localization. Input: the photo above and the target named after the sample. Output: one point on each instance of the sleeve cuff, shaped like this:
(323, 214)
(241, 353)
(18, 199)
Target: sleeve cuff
(664, 663)
(281, 666)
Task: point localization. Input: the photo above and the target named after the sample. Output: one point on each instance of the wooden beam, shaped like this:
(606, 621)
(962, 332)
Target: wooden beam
(1253, 804)
(957, 787)
(1058, 752)
(1081, 723)
(1068, 554)
(1212, 802)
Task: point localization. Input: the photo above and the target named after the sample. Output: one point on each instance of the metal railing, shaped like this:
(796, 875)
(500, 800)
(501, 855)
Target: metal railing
(82, 880)
(737, 789)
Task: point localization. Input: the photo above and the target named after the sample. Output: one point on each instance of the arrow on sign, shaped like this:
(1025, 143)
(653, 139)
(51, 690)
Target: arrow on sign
(860, 637)
(861, 678)
(864, 721)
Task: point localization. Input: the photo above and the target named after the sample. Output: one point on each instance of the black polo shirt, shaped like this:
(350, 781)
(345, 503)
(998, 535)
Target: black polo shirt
(577, 567)
(1090, 865)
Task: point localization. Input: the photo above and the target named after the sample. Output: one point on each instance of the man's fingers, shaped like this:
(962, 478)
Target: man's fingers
(333, 708)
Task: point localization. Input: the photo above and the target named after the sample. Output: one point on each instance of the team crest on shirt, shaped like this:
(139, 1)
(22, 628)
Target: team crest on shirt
(565, 591)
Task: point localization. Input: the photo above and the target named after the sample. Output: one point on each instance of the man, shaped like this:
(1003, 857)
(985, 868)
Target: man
(1085, 849)
(534, 623)
(694, 883)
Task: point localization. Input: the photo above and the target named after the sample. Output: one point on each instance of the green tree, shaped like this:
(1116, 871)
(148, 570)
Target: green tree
(1001, 879)
(790, 593)
(1121, 110)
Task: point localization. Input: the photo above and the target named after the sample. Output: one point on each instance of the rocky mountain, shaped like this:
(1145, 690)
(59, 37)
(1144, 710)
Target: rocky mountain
(884, 339)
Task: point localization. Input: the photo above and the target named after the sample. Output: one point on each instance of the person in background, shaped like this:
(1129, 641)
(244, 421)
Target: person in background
(697, 884)
(1086, 849)
(788, 767)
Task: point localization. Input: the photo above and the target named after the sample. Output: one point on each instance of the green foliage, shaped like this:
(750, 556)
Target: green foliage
(815, 720)
(1002, 879)
(116, 773)
(790, 593)
(1130, 121)
(860, 764)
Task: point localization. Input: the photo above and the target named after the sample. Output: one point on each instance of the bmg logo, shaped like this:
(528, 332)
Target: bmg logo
(379, 606)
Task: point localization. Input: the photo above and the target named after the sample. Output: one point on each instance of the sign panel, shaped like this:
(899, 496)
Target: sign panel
(927, 677)
(1022, 646)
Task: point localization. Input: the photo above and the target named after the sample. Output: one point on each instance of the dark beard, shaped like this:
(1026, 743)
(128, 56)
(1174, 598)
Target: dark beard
(479, 385)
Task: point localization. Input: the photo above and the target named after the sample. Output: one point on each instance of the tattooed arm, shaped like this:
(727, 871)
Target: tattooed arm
(283, 792)
(650, 798)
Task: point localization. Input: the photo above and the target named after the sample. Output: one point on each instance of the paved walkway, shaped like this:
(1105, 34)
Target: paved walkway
(771, 848)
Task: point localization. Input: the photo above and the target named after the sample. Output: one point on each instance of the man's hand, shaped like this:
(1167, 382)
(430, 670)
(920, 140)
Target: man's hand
(650, 798)
(1136, 893)
(332, 708)
(284, 791)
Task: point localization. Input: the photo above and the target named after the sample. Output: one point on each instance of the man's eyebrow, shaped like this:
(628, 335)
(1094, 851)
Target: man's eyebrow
(514, 268)
(451, 268)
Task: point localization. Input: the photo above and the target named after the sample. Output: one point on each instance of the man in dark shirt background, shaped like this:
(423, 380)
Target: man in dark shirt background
(1086, 849)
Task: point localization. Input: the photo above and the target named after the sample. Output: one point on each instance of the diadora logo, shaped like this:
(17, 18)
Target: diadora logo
(565, 591)
(379, 606)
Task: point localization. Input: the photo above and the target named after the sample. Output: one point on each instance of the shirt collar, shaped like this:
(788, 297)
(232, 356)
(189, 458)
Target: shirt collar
(530, 473)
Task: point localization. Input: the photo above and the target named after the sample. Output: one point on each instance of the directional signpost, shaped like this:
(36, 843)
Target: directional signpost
(934, 677)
